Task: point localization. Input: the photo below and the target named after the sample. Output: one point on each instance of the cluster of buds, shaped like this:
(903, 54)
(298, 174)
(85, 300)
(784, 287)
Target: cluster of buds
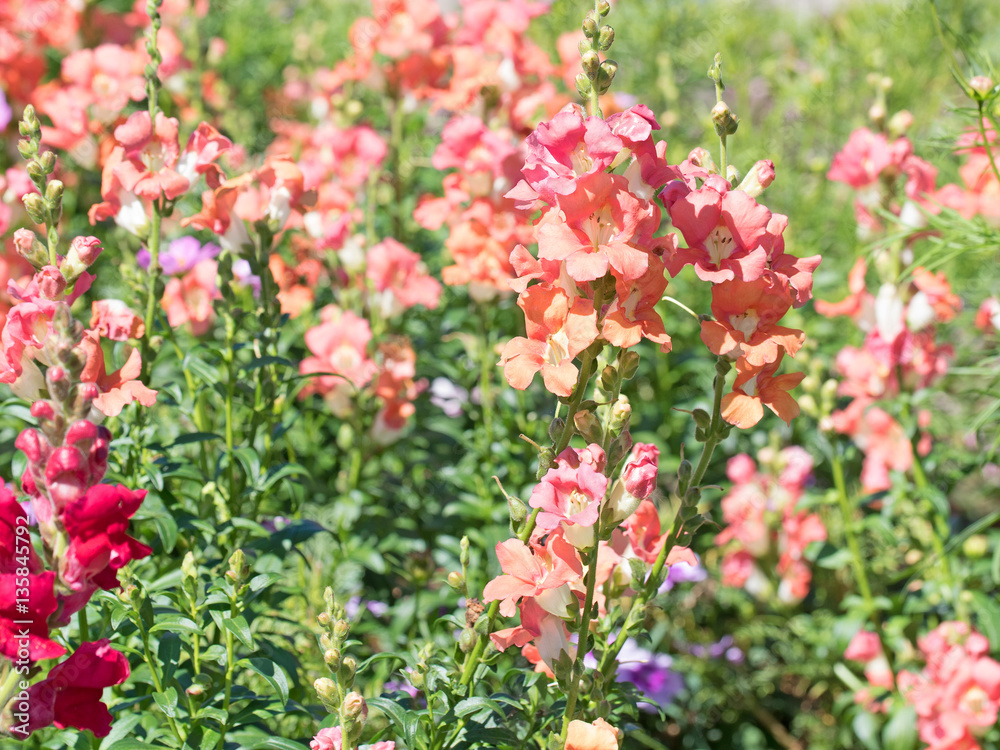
(336, 692)
(597, 76)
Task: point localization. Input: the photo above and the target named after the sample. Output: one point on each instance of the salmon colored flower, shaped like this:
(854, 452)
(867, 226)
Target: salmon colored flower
(118, 388)
(756, 387)
(632, 315)
(746, 321)
(726, 230)
(537, 572)
(557, 332)
(189, 299)
(598, 735)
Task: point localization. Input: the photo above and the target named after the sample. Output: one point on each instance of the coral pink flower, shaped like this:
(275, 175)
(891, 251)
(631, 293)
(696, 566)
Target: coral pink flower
(400, 278)
(70, 695)
(866, 156)
(639, 474)
(726, 232)
(112, 319)
(597, 228)
(189, 299)
(537, 572)
(149, 157)
(557, 332)
(858, 305)
(340, 352)
(756, 387)
(119, 388)
(865, 647)
(598, 735)
(746, 321)
(988, 315)
(632, 315)
(570, 497)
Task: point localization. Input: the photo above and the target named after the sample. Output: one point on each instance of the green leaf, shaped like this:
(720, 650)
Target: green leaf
(866, 728)
(987, 615)
(121, 727)
(167, 701)
(169, 653)
(391, 709)
(278, 743)
(238, 627)
(176, 624)
(195, 437)
(209, 739)
(129, 744)
(900, 732)
(274, 675)
(476, 704)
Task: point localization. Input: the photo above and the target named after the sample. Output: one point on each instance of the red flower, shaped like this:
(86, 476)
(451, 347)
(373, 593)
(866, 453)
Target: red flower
(99, 545)
(71, 694)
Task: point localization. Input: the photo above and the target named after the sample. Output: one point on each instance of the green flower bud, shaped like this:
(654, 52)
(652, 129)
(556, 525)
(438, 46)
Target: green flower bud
(591, 63)
(583, 85)
(341, 629)
(606, 38)
(609, 378)
(604, 7)
(467, 640)
(702, 418)
(456, 580)
(724, 120)
(588, 426)
(607, 74)
(556, 427)
(463, 555)
(34, 204)
(629, 363)
(326, 689)
(590, 29)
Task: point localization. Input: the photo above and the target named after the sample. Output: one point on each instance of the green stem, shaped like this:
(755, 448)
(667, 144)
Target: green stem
(82, 623)
(714, 430)
(583, 638)
(847, 518)
(986, 143)
(154, 673)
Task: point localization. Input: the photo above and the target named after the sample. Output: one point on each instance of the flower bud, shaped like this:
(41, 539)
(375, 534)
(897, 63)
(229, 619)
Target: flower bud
(463, 551)
(54, 193)
(31, 444)
(640, 473)
(456, 580)
(590, 25)
(760, 176)
(982, 86)
(609, 68)
(725, 121)
(621, 413)
(702, 418)
(326, 641)
(83, 251)
(34, 204)
(43, 410)
(603, 7)
(900, 122)
(556, 427)
(609, 378)
(326, 689)
(29, 247)
(467, 640)
(629, 363)
(348, 666)
(189, 569)
(355, 707)
(332, 658)
(588, 426)
(47, 161)
(591, 63)
(324, 619)
(238, 568)
(341, 628)
(51, 282)
(606, 38)
(583, 85)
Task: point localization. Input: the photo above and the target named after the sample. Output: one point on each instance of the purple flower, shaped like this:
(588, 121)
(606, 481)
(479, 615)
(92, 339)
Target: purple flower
(242, 275)
(181, 255)
(5, 111)
(448, 396)
(682, 572)
(651, 673)
(353, 606)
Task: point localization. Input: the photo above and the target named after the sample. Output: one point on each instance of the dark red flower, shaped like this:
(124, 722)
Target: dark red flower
(71, 694)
